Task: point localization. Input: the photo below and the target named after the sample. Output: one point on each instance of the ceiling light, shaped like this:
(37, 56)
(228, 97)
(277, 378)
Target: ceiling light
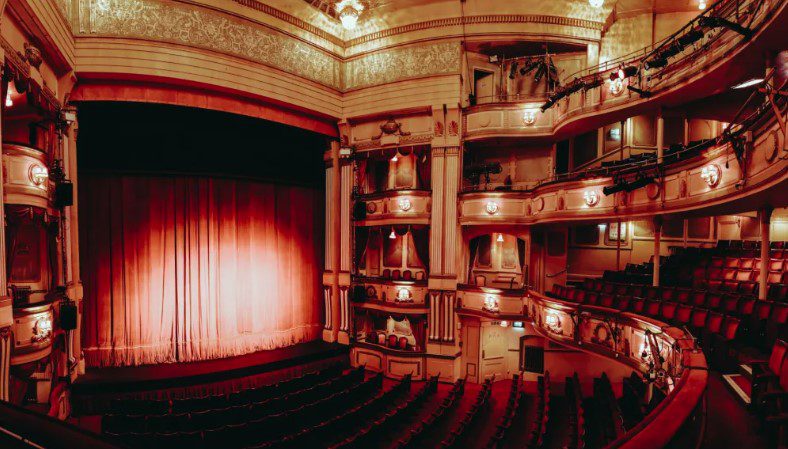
(393, 234)
(500, 238)
(394, 158)
(702, 5)
(8, 101)
(747, 83)
(348, 12)
(596, 3)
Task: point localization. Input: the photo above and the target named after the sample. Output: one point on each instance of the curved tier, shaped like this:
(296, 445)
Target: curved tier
(26, 177)
(684, 188)
(32, 332)
(395, 207)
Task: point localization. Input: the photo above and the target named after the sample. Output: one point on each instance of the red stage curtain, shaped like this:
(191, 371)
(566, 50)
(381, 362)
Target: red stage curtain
(183, 269)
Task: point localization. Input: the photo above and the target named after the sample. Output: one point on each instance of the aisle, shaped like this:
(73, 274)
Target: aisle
(729, 425)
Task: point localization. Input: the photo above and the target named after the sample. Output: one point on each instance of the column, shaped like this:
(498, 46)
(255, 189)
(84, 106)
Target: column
(333, 242)
(618, 244)
(6, 303)
(436, 218)
(660, 137)
(451, 184)
(764, 215)
(345, 248)
(657, 248)
(71, 223)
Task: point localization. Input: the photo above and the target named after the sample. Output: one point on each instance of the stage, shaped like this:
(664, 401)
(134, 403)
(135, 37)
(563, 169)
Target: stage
(92, 391)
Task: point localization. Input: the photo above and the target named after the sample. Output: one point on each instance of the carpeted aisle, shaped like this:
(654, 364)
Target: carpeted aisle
(729, 425)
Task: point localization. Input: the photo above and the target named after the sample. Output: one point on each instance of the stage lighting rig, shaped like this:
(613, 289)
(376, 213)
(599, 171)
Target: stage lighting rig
(640, 182)
(624, 72)
(529, 66)
(655, 62)
(719, 22)
(512, 70)
(641, 92)
(593, 83)
(619, 186)
(690, 37)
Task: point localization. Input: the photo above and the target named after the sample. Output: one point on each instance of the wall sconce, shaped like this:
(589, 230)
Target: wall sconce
(500, 238)
(491, 304)
(711, 174)
(616, 87)
(404, 295)
(553, 322)
(591, 198)
(504, 323)
(393, 234)
(491, 207)
(405, 204)
(38, 174)
(529, 117)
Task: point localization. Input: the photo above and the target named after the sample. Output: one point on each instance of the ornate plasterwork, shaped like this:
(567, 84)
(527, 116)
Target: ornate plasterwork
(198, 27)
(397, 64)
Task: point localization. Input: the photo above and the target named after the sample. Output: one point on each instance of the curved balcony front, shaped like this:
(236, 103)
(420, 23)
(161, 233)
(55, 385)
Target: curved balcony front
(666, 355)
(714, 179)
(394, 207)
(396, 296)
(25, 176)
(32, 332)
(726, 58)
(493, 303)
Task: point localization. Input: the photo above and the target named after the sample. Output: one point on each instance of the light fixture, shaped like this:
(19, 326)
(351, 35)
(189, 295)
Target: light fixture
(348, 12)
(393, 234)
(616, 87)
(38, 174)
(403, 295)
(491, 304)
(743, 85)
(596, 3)
(500, 238)
(591, 198)
(711, 174)
(8, 101)
(518, 324)
(601, 226)
(394, 158)
(529, 116)
(404, 204)
(491, 207)
(702, 5)
(504, 323)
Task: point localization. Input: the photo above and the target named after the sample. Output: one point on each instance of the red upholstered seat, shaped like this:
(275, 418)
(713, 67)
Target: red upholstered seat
(609, 288)
(683, 295)
(714, 322)
(622, 302)
(729, 304)
(592, 298)
(668, 311)
(580, 296)
(667, 293)
(621, 289)
(606, 300)
(699, 299)
(743, 275)
(713, 300)
(635, 290)
(651, 292)
(776, 265)
(636, 305)
(731, 262)
(717, 262)
(746, 306)
(588, 284)
(747, 264)
(652, 307)
(774, 277)
(683, 314)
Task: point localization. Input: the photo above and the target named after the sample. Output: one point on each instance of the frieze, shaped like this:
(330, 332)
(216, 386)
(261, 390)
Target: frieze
(202, 28)
(388, 66)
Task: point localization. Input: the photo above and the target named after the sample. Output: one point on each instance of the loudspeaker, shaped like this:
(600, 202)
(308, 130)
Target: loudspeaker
(68, 316)
(359, 293)
(360, 210)
(64, 194)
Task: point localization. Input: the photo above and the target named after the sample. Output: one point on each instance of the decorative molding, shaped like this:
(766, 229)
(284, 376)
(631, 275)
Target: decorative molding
(397, 64)
(295, 21)
(476, 20)
(210, 30)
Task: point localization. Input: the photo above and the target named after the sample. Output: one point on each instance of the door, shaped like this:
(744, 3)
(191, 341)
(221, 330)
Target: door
(470, 351)
(493, 351)
(555, 258)
(483, 86)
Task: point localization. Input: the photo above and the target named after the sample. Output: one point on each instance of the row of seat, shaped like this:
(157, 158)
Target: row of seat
(331, 426)
(456, 434)
(251, 432)
(542, 418)
(576, 433)
(776, 292)
(404, 275)
(604, 424)
(247, 396)
(376, 431)
(413, 438)
(512, 407)
(727, 245)
(232, 413)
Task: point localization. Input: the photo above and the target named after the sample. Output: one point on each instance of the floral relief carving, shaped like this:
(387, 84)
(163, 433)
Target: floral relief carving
(402, 63)
(197, 27)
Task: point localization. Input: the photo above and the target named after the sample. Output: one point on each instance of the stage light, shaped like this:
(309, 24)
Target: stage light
(393, 234)
(702, 5)
(596, 82)
(743, 85)
(493, 59)
(671, 50)
(629, 71)
(512, 70)
(640, 182)
(641, 92)
(591, 198)
(655, 62)
(500, 238)
(518, 324)
(617, 187)
(689, 38)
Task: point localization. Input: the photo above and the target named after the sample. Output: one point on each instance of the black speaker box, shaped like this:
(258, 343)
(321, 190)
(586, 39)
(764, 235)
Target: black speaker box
(360, 210)
(68, 316)
(64, 194)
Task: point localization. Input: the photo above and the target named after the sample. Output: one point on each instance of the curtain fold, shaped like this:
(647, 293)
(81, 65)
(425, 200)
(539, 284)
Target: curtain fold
(473, 248)
(421, 241)
(183, 269)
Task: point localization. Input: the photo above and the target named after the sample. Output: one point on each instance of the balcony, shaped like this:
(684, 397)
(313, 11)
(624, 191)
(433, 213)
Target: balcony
(495, 303)
(391, 295)
(393, 207)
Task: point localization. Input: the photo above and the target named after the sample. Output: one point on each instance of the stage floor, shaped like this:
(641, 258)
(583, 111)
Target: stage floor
(174, 375)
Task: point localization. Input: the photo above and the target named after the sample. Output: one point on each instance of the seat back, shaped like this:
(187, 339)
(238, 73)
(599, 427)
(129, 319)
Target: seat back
(698, 318)
(777, 357)
(683, 313)
(714, 322)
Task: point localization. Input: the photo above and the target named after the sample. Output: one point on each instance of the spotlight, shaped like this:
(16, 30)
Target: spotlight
(574, 86)
(630, 71)
(690, 37)
(596, 82)
(640, 182)
(617, 187)
(548, 104)
(512, 70)
(8, 101)
(641, 92)
(655, 62)
(529, 66)
(717, 22)
(540, 73)
(671, 50)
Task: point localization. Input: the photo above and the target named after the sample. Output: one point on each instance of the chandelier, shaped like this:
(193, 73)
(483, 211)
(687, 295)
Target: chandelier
(348, 12)
(596, 3)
